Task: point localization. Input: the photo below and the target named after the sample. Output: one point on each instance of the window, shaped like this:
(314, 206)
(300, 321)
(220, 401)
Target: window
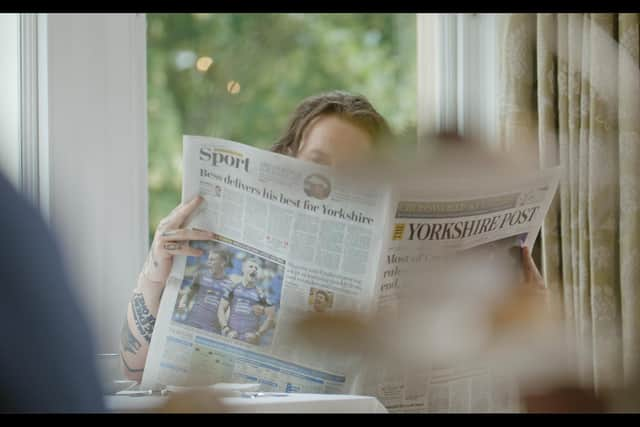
(239, 77)
(10, 100)
(95, 72)
(91, 154)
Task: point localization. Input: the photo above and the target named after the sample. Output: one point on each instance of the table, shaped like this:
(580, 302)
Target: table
(276, 403)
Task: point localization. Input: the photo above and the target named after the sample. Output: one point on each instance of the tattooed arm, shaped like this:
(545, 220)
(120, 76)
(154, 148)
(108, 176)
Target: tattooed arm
(138, 327)
(169, 240)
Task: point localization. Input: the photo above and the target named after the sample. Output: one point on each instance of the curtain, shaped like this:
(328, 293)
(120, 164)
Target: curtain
(570, 83)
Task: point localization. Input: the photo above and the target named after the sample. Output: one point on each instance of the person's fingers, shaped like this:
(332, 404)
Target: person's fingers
(180, 248)
(528, 264)
(185, 234)
(531, 272)
(167, 219)
(180, 214)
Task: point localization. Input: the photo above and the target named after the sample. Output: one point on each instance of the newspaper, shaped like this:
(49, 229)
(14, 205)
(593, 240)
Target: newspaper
(294, 238)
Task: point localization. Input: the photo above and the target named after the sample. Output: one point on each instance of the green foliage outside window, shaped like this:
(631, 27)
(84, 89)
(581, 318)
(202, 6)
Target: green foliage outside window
(275, 60)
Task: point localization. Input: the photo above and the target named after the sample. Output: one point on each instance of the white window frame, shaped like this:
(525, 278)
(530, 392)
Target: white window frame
(29, 108)
(458, 75)
(10, 100)
(85, 152)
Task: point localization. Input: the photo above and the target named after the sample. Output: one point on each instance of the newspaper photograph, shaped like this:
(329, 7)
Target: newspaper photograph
(293, 238)
(231, 286)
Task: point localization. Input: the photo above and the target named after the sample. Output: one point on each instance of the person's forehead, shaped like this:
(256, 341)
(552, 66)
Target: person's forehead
(324, 130)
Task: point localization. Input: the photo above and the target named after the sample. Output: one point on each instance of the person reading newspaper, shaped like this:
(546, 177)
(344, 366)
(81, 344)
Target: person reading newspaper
(331, 129)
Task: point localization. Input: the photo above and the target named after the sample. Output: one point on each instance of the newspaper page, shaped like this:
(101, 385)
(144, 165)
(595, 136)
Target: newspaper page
(294, 238)
(291, 238)
(429, 224)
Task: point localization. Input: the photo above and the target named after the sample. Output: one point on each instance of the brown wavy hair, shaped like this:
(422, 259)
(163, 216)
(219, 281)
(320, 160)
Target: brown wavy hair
(352, 107)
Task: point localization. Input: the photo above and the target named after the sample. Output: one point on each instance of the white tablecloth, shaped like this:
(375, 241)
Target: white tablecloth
(292, 403)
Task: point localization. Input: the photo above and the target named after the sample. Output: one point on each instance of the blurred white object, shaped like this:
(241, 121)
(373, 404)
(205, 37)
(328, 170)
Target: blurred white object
(222, 389)
(232, 389)
(264, 403)
(118, 386)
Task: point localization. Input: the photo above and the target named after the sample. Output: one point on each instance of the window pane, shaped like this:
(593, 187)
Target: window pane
(240, 76)
(10, 99)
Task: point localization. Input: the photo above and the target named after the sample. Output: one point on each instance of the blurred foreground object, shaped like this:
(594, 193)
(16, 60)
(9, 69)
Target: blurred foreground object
(564, 400)
(47, 363)
(197, 400)
(473, 316)
(210, 400)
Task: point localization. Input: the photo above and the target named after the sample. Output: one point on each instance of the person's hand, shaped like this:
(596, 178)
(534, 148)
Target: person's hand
(170, 239)
(533, 280)
(564, 399)
(526, 303)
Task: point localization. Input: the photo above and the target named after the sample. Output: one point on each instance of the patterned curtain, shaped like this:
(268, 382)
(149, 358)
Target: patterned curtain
(571, 84)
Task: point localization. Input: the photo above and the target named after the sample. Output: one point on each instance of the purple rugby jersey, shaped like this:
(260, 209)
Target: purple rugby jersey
(204, 313)
(241, 317)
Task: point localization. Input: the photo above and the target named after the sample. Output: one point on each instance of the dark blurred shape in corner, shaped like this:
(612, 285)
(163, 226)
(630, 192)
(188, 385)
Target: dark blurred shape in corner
(47, 362)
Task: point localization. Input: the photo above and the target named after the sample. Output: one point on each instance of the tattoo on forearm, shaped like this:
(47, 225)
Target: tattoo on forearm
(155, 263)
(172, 246)
(145, 321)
(127, 366)
(128, 341)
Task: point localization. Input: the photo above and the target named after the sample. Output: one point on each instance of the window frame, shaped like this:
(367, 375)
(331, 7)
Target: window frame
(29, 108)
(10, 101)
(90, 158)
(458, 75)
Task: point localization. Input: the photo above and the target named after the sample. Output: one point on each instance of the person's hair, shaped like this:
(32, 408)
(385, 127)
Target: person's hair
(222, 253)
(352, 107)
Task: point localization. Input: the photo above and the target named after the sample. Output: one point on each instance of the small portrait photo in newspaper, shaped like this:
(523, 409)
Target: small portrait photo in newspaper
(320, 300)
(231, 292)
(317, 186)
